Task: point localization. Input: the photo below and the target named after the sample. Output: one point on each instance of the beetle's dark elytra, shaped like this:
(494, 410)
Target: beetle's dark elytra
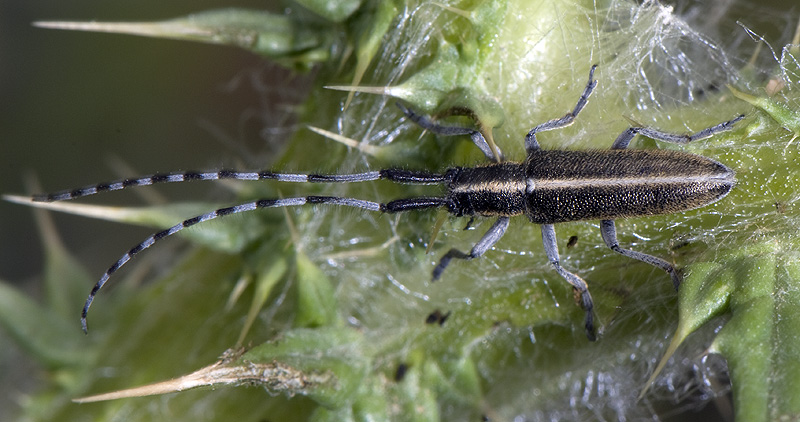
(632, 183)
(555, 186)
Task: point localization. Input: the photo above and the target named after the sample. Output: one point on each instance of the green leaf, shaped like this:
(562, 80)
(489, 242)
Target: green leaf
(335, 11)
(45, 335)
(280, 37)
(275, 269)
(64, 277)
(316, 301)
(782, 114)
(763, 334)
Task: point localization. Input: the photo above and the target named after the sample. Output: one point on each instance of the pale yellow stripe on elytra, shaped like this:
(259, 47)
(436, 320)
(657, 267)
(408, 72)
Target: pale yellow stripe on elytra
(621, 181)
(498, 186)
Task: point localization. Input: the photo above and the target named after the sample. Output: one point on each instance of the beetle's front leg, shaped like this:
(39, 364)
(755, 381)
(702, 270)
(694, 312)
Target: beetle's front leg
(488, 240)
(476, 136)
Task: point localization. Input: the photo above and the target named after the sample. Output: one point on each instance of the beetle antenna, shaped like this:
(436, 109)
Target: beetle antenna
(394, 175)
(400, 205)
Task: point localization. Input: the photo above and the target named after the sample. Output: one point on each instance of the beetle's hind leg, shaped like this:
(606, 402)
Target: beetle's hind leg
(625, 138)
(609, 231)
(579, 284)
(488, 240)
(477, 137)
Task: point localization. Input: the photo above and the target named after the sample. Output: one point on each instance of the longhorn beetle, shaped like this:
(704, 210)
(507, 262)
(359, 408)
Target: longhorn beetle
(550, 186)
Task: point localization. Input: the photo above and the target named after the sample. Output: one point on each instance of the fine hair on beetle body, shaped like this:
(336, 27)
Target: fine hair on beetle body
(548, 187)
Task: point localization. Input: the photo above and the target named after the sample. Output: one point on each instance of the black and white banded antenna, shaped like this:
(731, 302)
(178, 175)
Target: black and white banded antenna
(393, 175)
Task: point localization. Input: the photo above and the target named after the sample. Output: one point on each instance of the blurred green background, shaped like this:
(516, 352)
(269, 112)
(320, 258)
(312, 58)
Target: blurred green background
(71, 101)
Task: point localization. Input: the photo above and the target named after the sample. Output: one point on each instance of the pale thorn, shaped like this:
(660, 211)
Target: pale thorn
(392, 91)
(110, 213)
(352, 143)
(148, 29)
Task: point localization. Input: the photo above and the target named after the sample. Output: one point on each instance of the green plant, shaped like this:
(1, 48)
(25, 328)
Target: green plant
(333, 321)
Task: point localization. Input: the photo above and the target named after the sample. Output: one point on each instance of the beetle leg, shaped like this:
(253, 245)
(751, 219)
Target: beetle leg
(475, 135)
(609, 231)
(531, 144)
(579, 284)
(625, 138)
(487, 241)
